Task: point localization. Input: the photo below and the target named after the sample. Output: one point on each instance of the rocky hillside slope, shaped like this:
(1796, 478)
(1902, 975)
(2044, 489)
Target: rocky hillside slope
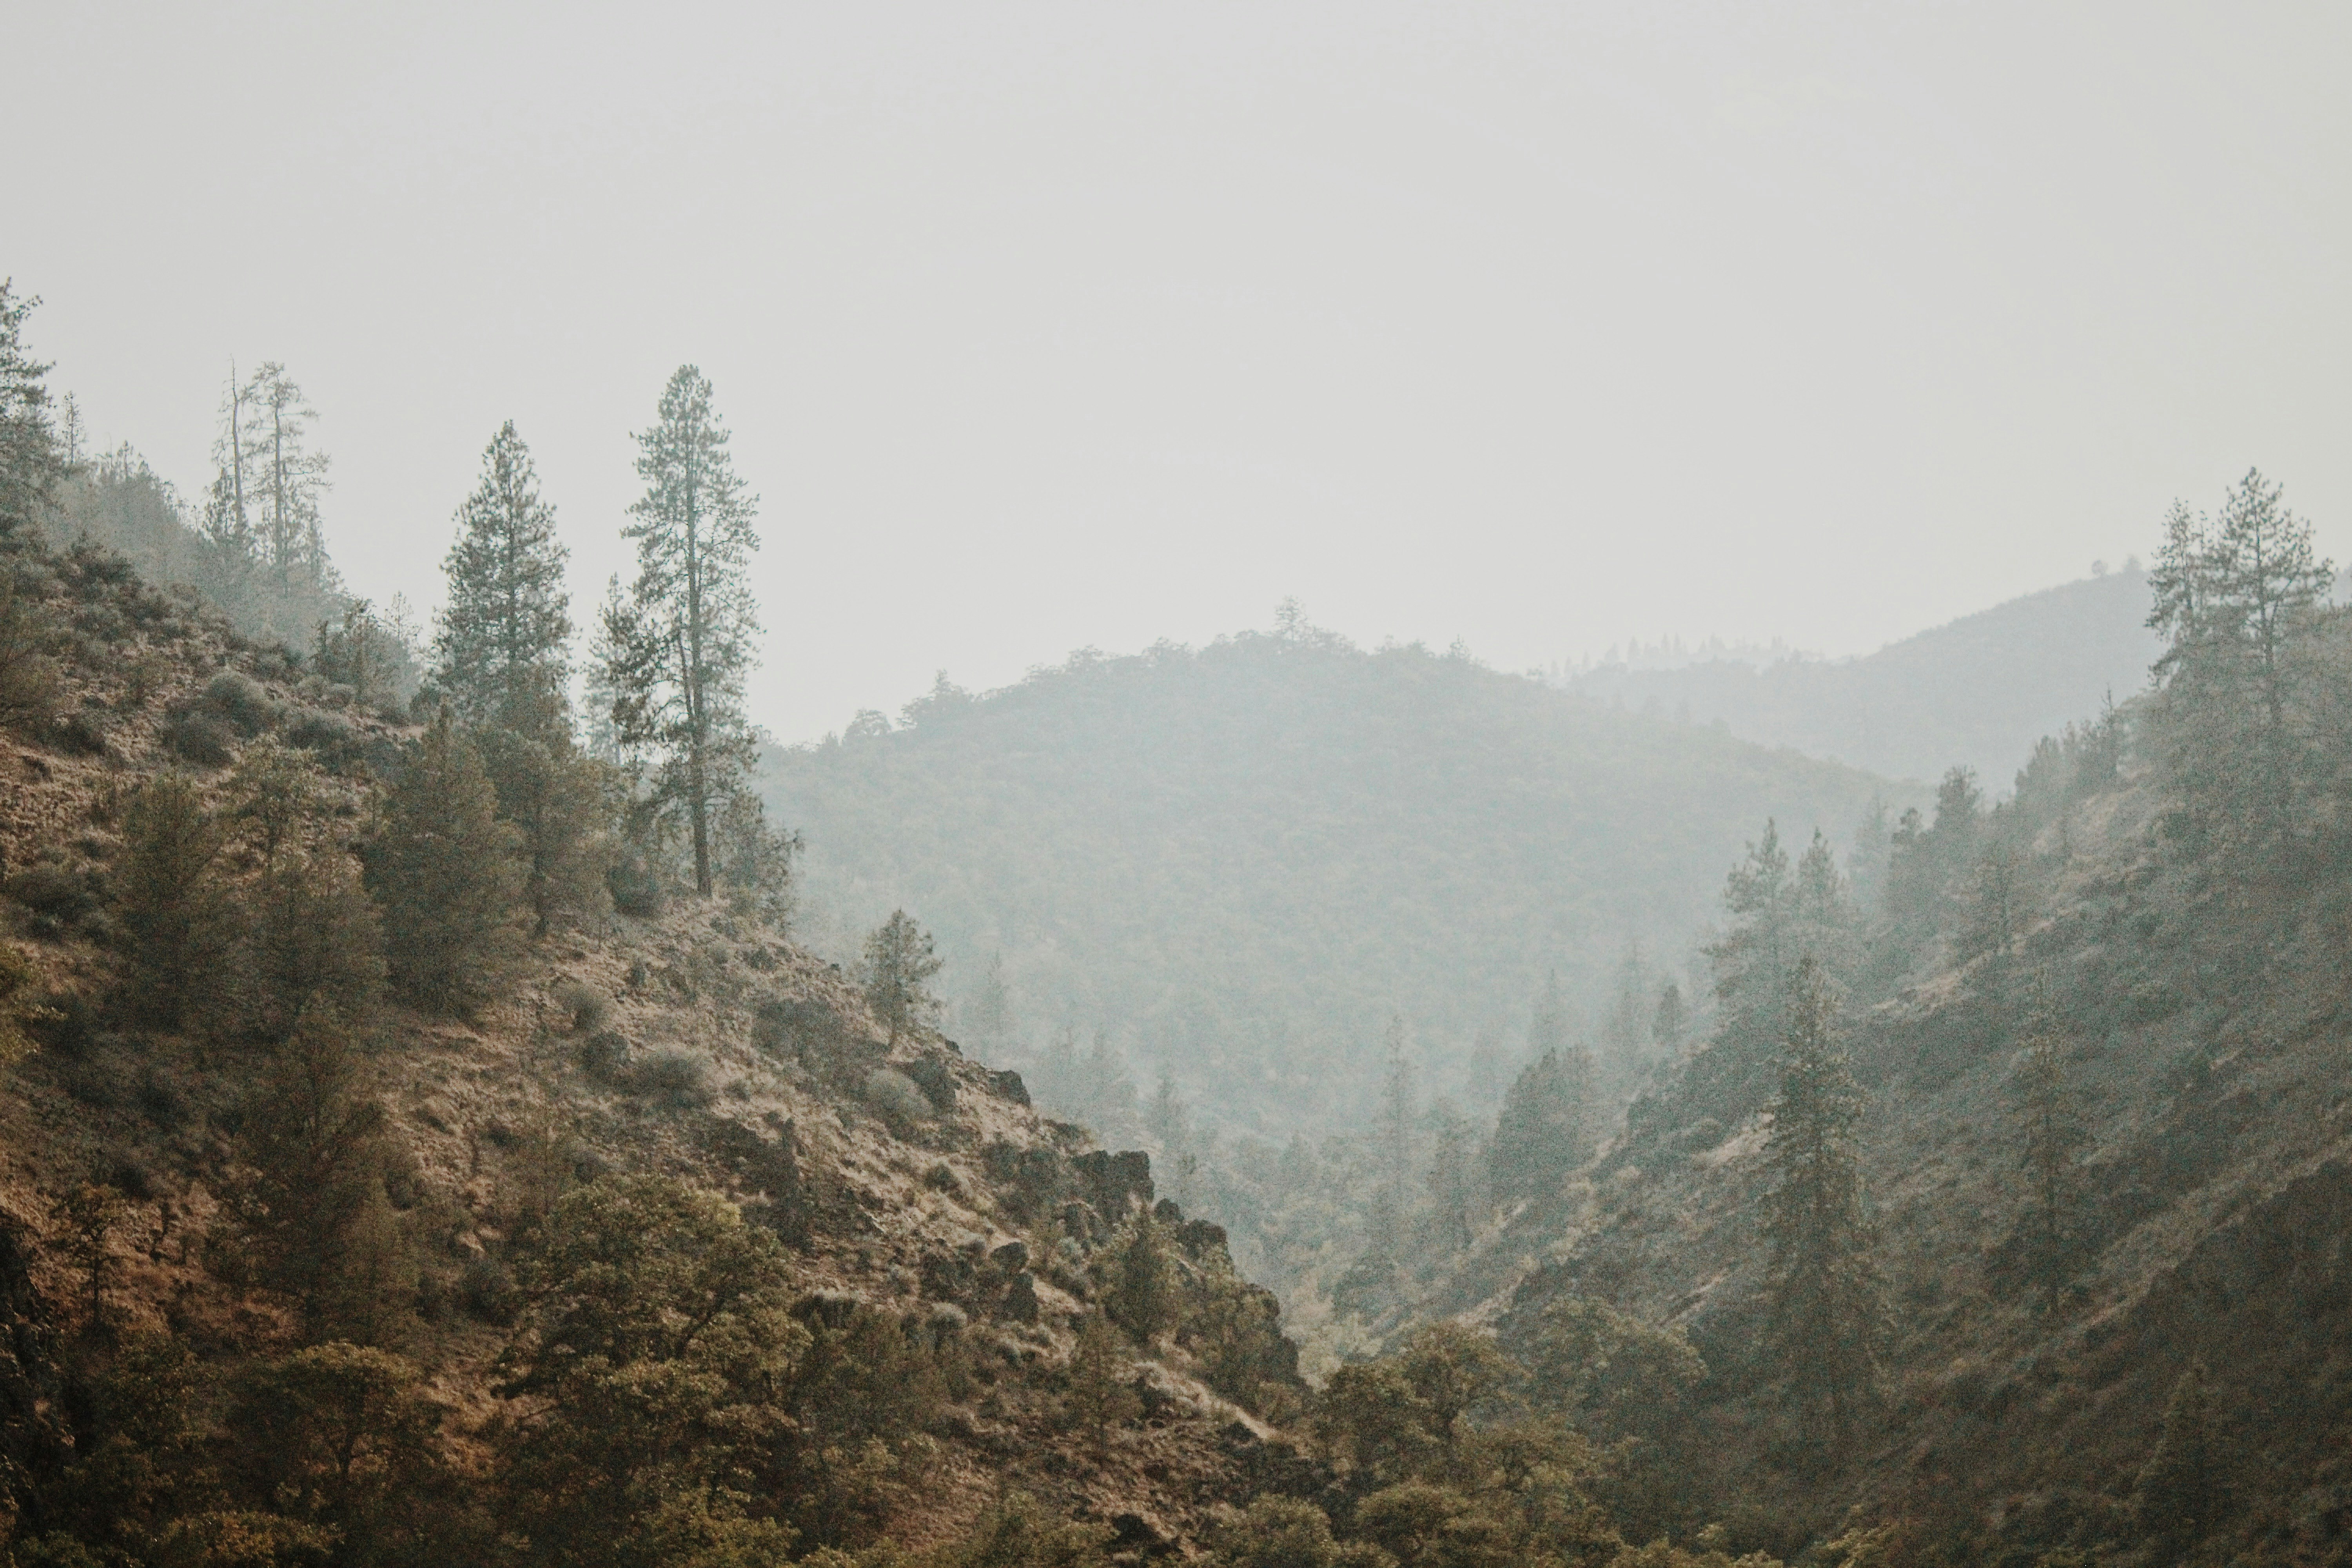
(2203, 1041)
(908, 1180)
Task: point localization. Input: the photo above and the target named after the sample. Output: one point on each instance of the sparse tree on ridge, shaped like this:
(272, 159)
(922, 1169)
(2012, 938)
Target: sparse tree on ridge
(498, 652)
(227, 524)
(899, 964)
(990, 1010)
(680, 645)
(1098, 1400)
(290, 476)
(2236, 598)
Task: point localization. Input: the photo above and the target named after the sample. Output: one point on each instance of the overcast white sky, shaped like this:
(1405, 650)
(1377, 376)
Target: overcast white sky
(1045, 326)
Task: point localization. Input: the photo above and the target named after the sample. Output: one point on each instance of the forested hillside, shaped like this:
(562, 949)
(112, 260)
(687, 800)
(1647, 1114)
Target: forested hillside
(1238, 863)
(421, 1143)
(1978, 692)
(2004, 1208)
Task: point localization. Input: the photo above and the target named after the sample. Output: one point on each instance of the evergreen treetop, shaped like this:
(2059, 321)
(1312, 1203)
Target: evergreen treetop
(678, 647)
(498, 652)
(899, 965)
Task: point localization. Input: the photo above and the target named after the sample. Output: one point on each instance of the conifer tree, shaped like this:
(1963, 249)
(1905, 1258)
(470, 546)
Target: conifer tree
(1449, 1176)
(679, 648)
(446, 873)
(371, 652)
(1996, 906)
(1930, 864)
(1753, 960)
(275, 788)
(1624, 1031)
(499, 649)
(1823, 1293)
(559, 802)
(1866, 860)
(754, 861)
(2181, 1490)
(1099, 1401)
(2238, 599)
(899, 965)
(288, 478)
(1670, 1022)
(1169, 1119)
(2051, 1134)
(1544, 1129)
(30, 461)
(990, 1011)
(313, 1158)
(315, 937)
(227, 525)
(171, 903)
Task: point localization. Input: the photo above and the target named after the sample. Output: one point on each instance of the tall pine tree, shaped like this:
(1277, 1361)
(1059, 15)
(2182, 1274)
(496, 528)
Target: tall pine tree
(1824, 1291)
(2237, 598)
(680, 646)
(287, 478)
(499, 652)
(2050, 1135)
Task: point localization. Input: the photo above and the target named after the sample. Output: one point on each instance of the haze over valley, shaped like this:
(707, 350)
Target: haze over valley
(1269, 787)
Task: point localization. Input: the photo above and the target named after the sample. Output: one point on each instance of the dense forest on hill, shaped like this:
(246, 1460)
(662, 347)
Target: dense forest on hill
(1978, 692)
(1238, 863)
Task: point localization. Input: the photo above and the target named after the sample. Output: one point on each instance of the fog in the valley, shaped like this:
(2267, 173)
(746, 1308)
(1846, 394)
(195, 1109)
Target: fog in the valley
(1540, 326)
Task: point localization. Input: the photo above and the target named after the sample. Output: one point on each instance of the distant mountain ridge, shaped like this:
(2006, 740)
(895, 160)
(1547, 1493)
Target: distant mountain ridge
(1239, 862)
(1979, 690)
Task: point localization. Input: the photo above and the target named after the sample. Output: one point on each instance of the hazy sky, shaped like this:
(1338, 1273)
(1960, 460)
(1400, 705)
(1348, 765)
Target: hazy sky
(1047, 326)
